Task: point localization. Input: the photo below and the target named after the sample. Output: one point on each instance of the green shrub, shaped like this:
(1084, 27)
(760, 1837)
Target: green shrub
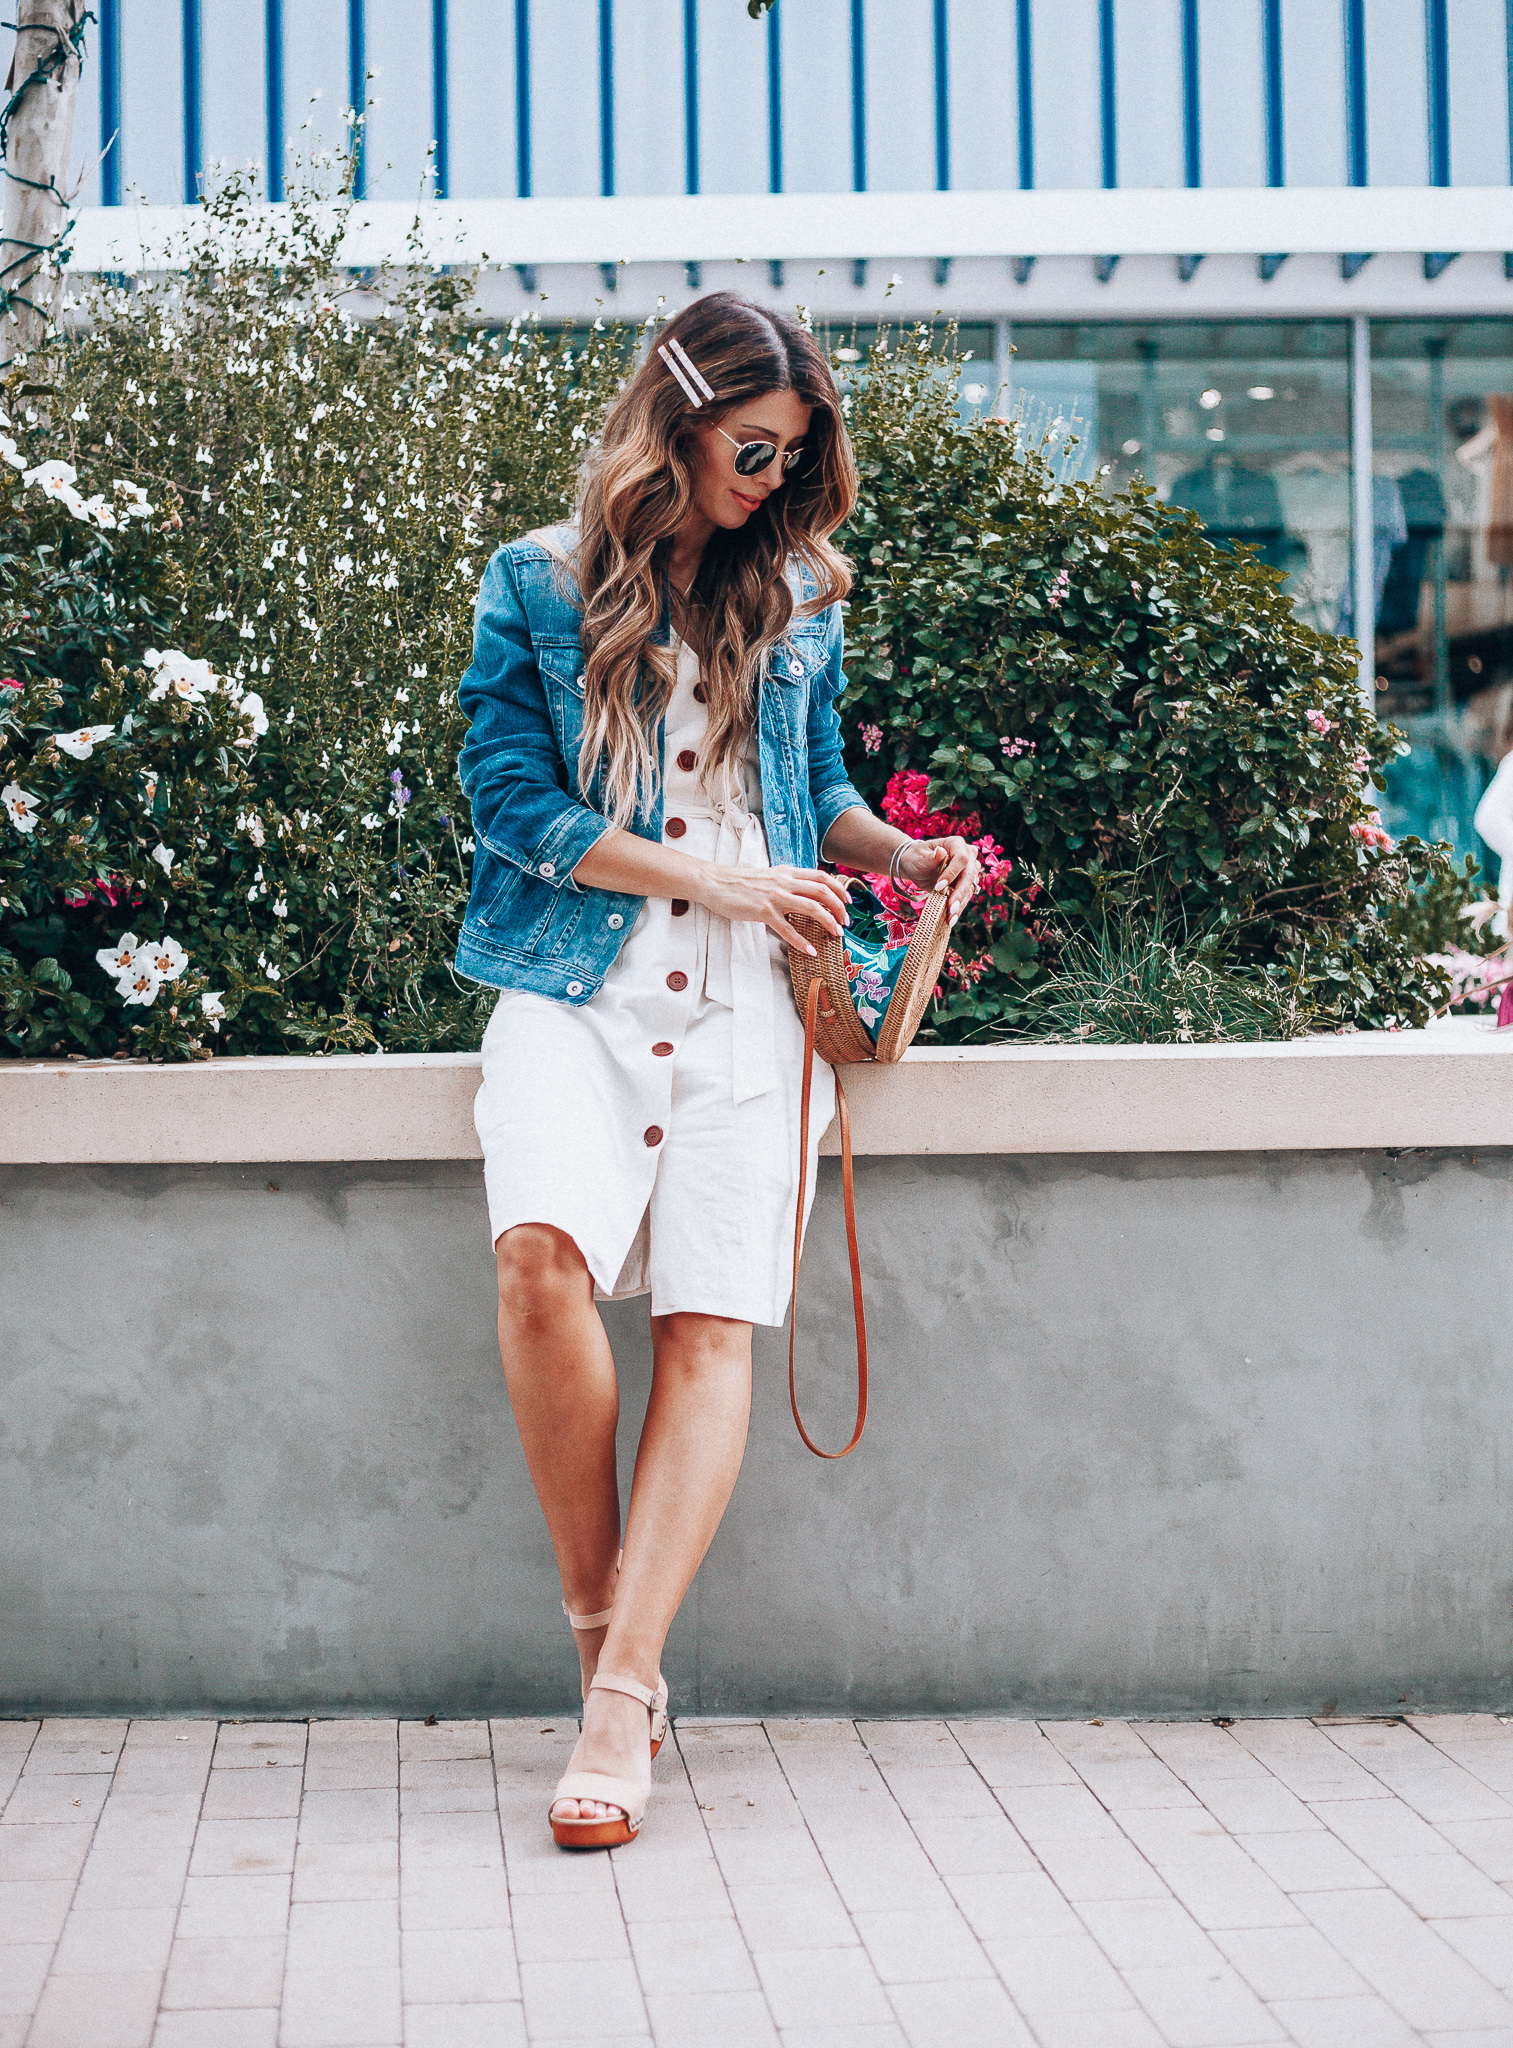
(1085, 683)
(1133, 713)
(337, 487)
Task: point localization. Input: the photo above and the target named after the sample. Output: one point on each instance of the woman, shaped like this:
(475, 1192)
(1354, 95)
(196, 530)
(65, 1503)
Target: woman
(654, 768)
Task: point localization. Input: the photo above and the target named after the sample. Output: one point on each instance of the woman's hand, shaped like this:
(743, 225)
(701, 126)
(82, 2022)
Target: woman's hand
(946, 864)
(770, 896)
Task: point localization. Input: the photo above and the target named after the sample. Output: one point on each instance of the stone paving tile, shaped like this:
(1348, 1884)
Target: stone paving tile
(587, 1999)
(1344, 2023)
(222, 2029)
(459, 1966)
(465, 2026)
(798, 1884)
(251, 1745)
(219, 1973)
(337, 2007)
(711, 2019)
(117, 2009)
(949, 2015)
(1406, 1962)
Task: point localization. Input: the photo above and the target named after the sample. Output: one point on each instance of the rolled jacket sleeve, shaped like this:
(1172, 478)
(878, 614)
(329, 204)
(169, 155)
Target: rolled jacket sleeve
(524, 802)
(830, 791)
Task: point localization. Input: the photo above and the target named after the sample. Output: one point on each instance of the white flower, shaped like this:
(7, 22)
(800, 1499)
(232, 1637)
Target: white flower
(213, 1007)
(120, 958)
(21, 807)
(52, 477)
(164, 856)
(177, 675)
(95, 508)
(165, 958)
(281, 907)
(136, 505)
(11, 453)
(140, 985)
(251, 708)
(250, 823)
(81, 744)
(372, 820)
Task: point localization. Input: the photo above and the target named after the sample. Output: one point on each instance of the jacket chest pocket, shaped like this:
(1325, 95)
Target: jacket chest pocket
(561, 666)
(789, 682)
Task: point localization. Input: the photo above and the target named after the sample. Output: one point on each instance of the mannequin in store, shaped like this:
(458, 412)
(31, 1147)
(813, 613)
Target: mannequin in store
(1237, 504)
(1489, 456)
(1389, 530)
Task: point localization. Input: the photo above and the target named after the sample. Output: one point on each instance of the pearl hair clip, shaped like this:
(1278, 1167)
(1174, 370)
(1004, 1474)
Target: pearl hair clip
(679, 361)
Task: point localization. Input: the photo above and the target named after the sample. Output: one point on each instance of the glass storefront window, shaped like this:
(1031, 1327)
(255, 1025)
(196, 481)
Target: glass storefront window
(1245, 423)
(1442, 429)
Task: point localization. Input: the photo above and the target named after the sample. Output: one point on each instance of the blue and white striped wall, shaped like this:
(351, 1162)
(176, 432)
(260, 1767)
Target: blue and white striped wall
(573, 98)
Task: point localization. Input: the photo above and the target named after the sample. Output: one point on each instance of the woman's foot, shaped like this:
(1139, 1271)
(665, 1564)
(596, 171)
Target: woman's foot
(612, 1741)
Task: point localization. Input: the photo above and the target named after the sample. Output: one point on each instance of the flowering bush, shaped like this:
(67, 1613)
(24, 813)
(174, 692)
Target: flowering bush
(255, 841)
(332, 488)
(1131, 715)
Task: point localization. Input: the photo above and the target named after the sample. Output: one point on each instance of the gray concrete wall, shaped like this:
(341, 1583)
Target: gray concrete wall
(1150, 1435)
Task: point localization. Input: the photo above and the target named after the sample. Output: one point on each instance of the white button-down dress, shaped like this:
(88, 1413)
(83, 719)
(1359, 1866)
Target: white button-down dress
(658, 1125)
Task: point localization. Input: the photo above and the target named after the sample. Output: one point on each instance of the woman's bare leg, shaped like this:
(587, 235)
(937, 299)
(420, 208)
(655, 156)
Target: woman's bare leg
(690, 1455)
(561, 1377)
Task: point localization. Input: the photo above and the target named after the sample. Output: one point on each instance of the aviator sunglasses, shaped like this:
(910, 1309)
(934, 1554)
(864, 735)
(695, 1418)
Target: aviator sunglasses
(751, 457)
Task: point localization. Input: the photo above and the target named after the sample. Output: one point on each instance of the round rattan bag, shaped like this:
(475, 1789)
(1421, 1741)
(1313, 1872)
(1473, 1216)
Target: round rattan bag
(850, 1028)
(860, 1005)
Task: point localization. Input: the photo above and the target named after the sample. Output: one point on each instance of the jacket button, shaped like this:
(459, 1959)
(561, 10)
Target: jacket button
(546, 868)
(575, 988)
(679, 906)
(688, 760)
(674, 828)
(653, 1134)
(615, 920)
(700, 694)
(677, 982)
(662, 1048)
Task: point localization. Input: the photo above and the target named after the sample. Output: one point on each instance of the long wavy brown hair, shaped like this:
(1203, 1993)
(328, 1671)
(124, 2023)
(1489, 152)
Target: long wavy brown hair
(637, 488)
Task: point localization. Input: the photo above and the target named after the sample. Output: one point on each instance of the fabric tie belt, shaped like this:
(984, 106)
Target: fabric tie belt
(738, 969)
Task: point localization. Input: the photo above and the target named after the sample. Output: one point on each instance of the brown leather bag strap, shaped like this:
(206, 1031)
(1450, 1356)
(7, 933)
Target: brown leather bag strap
(811, 1011)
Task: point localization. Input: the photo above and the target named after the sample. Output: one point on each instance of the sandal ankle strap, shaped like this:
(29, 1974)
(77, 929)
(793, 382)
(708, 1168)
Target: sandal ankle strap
(619, 1681)
(599, 1620)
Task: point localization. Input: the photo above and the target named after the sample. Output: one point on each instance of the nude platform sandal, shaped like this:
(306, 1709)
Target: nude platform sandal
(630, 1796)
(658, 1702)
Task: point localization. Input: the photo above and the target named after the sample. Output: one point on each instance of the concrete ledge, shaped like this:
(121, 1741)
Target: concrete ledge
(1451, 1085)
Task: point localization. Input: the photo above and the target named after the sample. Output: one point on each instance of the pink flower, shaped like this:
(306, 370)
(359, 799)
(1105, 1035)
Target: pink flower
(1012, 747)
(872, 737)
(1320, 723)
(10, 683)
(1371, 833)
(1058, 590)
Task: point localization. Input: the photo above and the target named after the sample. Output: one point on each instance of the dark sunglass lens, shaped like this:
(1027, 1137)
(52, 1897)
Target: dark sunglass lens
(753, 458)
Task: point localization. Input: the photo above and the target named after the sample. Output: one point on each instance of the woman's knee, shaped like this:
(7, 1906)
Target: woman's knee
(542, 1274)
(696, 1346)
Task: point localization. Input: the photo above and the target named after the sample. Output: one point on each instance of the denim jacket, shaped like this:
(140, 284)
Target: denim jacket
(529, 924)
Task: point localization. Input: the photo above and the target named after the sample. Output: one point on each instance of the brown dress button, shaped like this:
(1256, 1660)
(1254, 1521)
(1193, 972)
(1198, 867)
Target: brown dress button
(675, 828)
(679, 906)
(700, 694)
(653, 1134)
(662, 1048)
(688, 759)
(677, 982)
